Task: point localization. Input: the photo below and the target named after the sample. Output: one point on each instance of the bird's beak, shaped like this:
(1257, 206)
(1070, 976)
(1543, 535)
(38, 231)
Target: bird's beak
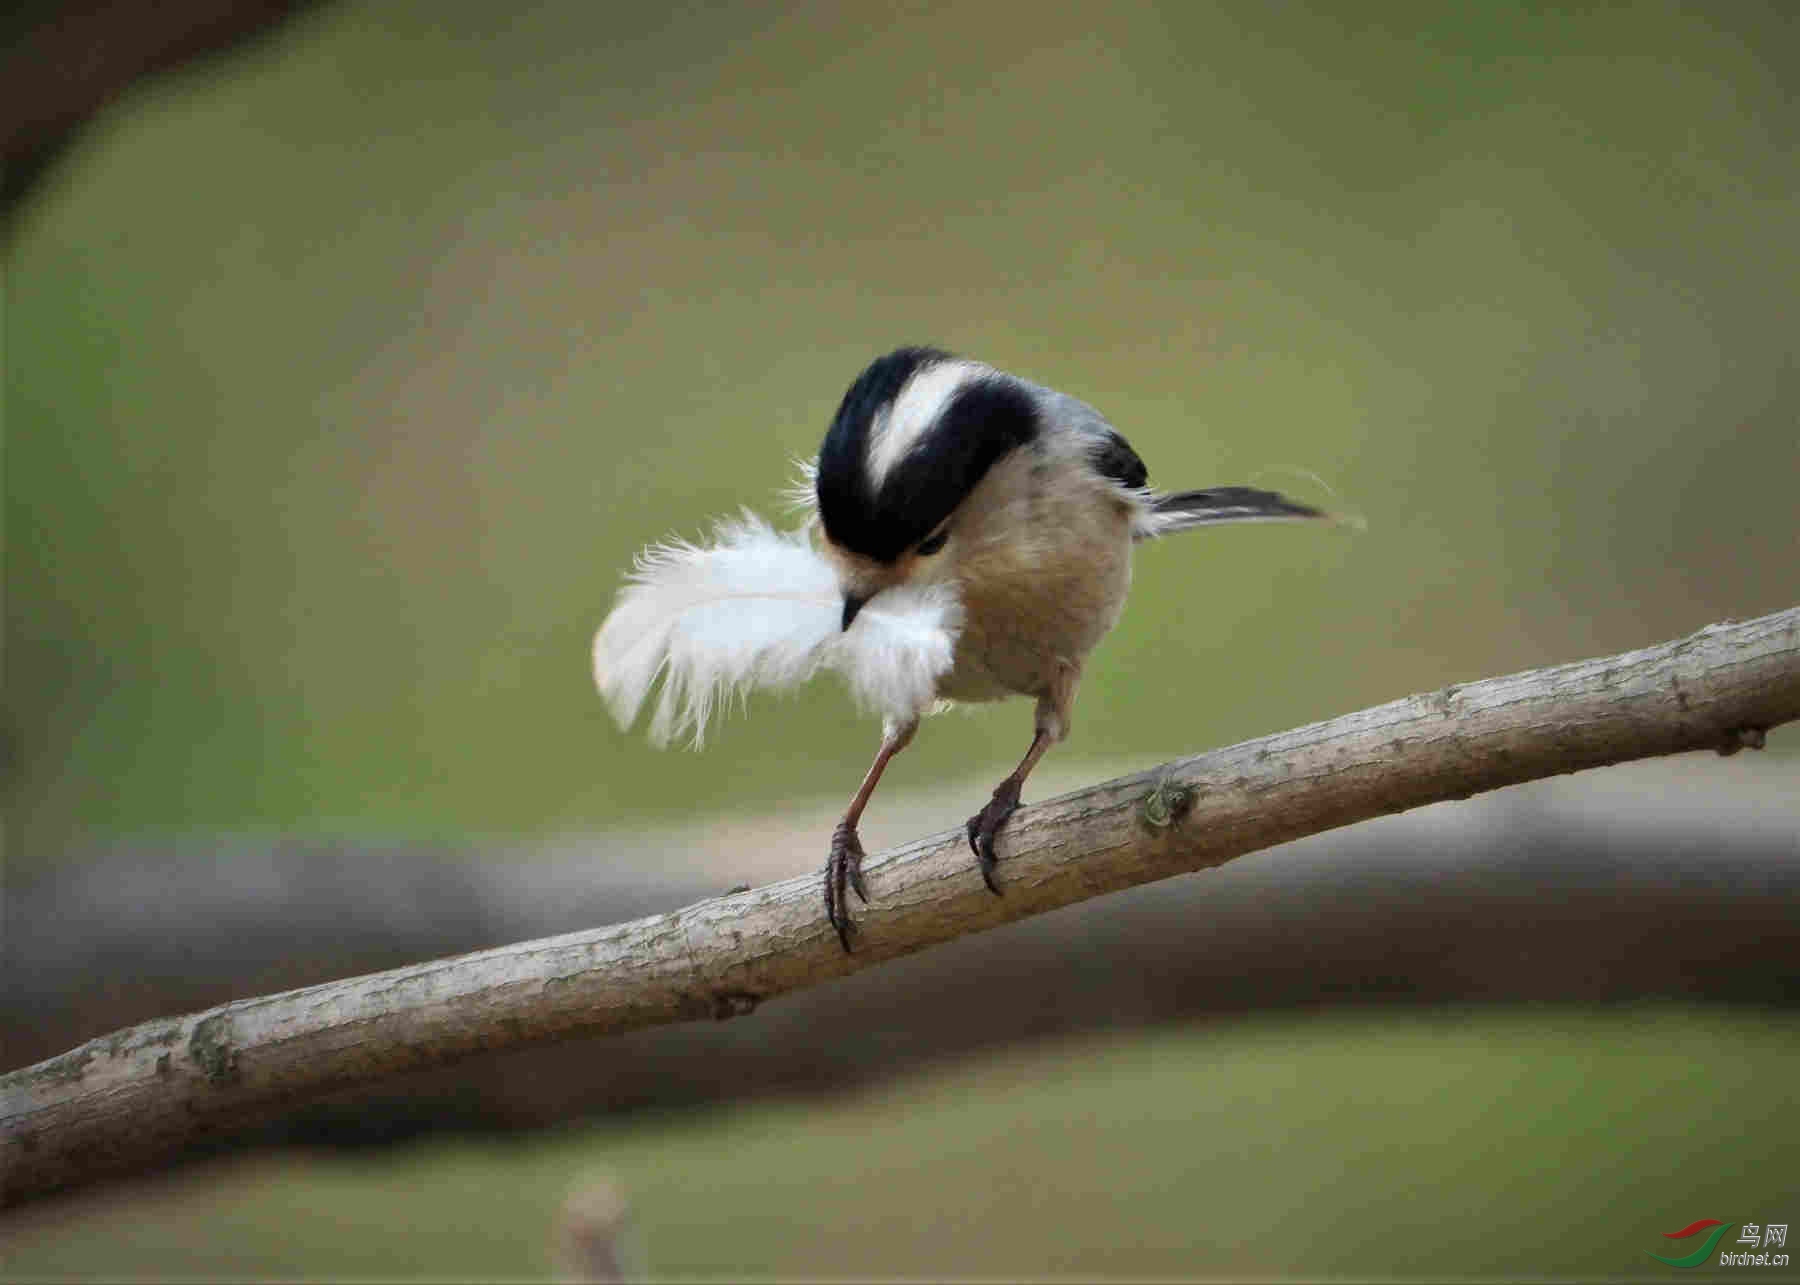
(853, 604)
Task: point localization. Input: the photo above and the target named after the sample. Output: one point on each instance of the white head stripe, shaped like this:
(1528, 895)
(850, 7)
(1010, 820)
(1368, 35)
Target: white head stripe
(898, 428)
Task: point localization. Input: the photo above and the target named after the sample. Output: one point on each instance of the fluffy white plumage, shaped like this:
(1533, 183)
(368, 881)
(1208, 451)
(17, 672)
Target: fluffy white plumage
(762, 608)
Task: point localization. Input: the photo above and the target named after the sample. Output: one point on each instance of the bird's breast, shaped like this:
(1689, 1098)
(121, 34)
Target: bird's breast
(1042, 576)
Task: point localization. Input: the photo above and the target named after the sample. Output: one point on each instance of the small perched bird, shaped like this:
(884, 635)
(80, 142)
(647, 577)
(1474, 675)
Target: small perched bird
(968, 538)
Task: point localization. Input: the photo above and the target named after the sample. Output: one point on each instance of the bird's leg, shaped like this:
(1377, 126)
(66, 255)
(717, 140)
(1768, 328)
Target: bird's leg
(1052, 725)
(985, 824)
(843, 869)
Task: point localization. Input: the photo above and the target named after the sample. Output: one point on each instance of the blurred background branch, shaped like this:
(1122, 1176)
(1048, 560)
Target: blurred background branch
(122, 1101)
(62, 62)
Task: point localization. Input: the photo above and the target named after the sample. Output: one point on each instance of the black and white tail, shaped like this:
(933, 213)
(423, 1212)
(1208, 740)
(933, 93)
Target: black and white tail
(1181, 510)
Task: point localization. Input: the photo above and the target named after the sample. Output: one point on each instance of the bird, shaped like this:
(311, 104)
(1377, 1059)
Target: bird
(966, 536)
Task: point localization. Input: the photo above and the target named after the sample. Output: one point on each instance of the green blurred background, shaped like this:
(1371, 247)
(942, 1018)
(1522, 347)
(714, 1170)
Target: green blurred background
(345, 374)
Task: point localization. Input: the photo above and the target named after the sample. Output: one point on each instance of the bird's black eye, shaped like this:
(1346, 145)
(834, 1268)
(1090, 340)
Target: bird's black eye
(931, 545)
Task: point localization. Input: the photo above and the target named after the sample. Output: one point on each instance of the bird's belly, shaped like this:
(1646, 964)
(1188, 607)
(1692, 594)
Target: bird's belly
(1020, 630)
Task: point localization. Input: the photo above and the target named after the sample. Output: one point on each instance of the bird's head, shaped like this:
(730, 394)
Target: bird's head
(914, 436)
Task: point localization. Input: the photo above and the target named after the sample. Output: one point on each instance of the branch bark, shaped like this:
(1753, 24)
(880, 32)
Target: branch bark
(124, 1101)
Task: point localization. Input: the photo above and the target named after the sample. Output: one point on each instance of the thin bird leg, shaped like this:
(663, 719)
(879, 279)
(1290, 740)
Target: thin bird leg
(985, 824)
(844, 866)
(1053, 709)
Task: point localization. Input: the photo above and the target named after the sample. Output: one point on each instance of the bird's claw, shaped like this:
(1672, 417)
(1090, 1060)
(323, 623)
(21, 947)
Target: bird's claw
(843, 873)
(985, 824)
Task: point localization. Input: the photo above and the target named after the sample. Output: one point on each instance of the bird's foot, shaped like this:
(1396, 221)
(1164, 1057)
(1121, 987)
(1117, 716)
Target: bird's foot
(985, 824)
(843, 873)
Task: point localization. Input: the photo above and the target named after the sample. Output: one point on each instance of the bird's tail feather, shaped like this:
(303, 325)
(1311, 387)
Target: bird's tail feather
(762, 608)
(1181, 510)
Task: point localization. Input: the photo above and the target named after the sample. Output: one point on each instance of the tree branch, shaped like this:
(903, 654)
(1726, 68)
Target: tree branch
(124, 1101)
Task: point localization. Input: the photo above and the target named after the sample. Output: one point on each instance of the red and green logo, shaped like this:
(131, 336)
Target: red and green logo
(1706, 1248)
